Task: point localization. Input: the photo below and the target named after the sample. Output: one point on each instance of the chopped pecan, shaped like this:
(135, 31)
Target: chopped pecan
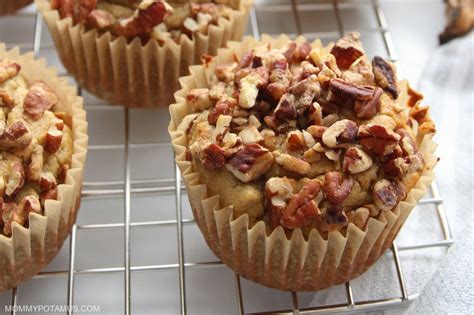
(47, 181)
(17, 135)
(250, 162)
(378, 139)
(50, 194)
(407, 142)
(295, 141)
(292, 163)
(365, 99)
(249, 87)
(39, 98)
(347, 50)
(225, 72)
(403, 166)
(223, 107)
(359, 217)
(336, 188)
(289, 50)
(315, 114)
(8, 69)
(335, 215)
(144, 19)
(305, 92)
(53, 140)
(302, 51)
(250, 134)
(66, 119)
(316, 131)
(302, 208)
(285, 109)
(101, 19)
(16, 179)
(340, 133)
(213, 157)
(36, 164)
(246, 59)
(325, 76)
(385, 75)
(356, 161)
(387, 194)
(199, 99)
(22, 210)
(7, 99)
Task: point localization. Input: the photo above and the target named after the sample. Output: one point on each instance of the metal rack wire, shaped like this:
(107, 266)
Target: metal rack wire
(128, 187)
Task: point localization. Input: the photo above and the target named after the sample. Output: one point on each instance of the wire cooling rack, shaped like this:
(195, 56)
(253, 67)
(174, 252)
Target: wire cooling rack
(135, 153)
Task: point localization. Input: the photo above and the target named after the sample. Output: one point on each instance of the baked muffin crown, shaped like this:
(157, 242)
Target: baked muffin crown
(158, 19)
(36, 146)
(307, 137)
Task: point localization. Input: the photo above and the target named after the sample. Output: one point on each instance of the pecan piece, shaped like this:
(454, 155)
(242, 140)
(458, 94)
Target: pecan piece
(7, 99)
(213, 157)
(199, 99)
(387, 194)
(316, 131)
(341, 132)
(39, 98)
(47, 181)
(295, 141)
(356, 161)
(302, 208)
(365, 99)
(385, 75)
(403, 166)
(8, 69)
(336, 188)
(101, 19)
(378, 139)
(250, 162)
(36, 163)
(21, 211)
(17, 135)
(250, 85)
(347, 50)
(223, 107)
(335, 215)
(292, 163)
(225, 72)
(53, 140)
(16, 179)
(407, 142)
(359, 217)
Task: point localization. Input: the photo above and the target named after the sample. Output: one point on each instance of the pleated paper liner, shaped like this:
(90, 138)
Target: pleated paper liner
(129, 73)
(294, 264)
(11, 6)
(28, 250)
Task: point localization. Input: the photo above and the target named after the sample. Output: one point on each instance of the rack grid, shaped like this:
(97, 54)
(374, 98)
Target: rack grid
(129, 187)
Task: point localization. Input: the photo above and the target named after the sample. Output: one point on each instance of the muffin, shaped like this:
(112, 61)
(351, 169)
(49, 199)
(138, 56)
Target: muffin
(301, 161)
(42, 148)
(11, 6)
(132, 52)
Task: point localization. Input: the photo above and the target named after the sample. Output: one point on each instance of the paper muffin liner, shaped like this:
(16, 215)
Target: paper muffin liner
(129, 73)
(295, 264)
(11, 6)
(28, 250)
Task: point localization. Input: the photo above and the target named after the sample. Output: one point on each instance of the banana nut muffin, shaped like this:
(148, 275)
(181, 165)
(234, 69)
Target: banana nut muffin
(35, 146)
(145, 18)
(304, 137)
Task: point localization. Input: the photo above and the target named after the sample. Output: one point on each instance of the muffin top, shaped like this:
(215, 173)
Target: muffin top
(144, 18)
(35, 146)
(307, 136)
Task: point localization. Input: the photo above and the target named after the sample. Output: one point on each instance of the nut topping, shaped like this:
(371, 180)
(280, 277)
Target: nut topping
(213, 157)
(336, 215)
(199, 99)
(302, 208)
(387, 194)
(403, 166)
(223, 107)
(16, 179)
(251, 162)
(53, 140)
(292, 163)
(40, 97)
(17, 135)
(359, 217)
(347, 50)
(378, 139)
(385, 75)
(8, 70)
(336, 188)
(341, 132)
(365, 99)
(356, 161)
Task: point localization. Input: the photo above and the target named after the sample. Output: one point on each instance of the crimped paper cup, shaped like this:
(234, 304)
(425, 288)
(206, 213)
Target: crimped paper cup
(294, 264)
(11, 6)
(28, 250)
(129, 73)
